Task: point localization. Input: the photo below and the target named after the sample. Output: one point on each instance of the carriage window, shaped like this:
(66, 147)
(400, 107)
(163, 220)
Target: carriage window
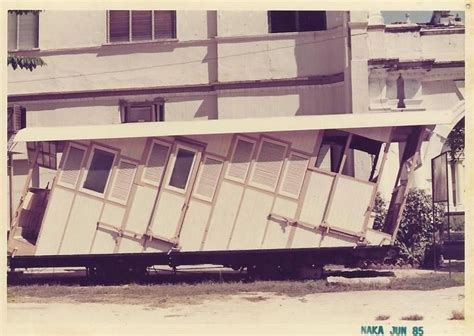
(99, 170)
(182, 168)
(331, 151)
(365, 154)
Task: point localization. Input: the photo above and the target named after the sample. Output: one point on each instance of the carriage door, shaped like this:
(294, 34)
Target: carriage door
(176, 191)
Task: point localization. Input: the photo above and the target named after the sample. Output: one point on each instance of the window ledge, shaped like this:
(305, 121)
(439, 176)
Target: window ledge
(172, 40)
(16, 51)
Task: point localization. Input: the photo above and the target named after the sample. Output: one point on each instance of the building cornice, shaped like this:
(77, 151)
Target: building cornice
(397, 64)
(179, 89)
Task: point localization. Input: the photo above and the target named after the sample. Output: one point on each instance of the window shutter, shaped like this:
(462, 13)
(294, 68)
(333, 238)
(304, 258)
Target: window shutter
(268, 165)
(123, 181)
(208, 179)
(239, 164)
(164, 24)
(72, 166)
(294, 175)
(141, 25)
(28, 31)
(119, 25)
(12, 32)
(156, 164)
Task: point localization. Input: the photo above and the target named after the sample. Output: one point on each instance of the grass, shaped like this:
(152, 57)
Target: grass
(413, 317)
(169, 294)
(457, 315)
(382, 317)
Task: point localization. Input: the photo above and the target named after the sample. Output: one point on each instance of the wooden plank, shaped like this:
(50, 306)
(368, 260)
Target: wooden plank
(105, 241)
(194, 226)
(278, 233)
(316, 198)
(168, 213)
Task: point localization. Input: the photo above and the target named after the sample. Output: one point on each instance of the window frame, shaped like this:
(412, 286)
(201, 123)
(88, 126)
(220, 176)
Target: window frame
(234, 147)
(171, 165)
(199, 175)
(157, 110)
(145, 167)
(115, 176)
(17, 29)
(255, 162)
(87, 168)
(130, 39)
(64, 158)
(296, 28)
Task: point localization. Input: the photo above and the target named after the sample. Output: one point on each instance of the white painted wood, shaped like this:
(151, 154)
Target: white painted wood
(130, 245)
(293, 175)
(141, 209)
(375, 237)
(225, 210)
(81, 226)
(208, 178)
(316, 198)
(155, 162)
(218, 144)
(300, 140)
(104, 241)
(167, 214)
(335, 241)
(277, 234)
(122, 181)
(239, 164)
(266, 170)
(350, 204)
(251, 220)
(132, 148)
(54, 221)
(304, 237)
(194, 225)
(71, 168)
(156, 246)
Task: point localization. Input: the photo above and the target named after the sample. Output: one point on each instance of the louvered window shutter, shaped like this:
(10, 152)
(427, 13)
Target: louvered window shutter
(28, 31)
(123, 181)
(141, 26)
(164, 24)
(268, 166)
(240, 162)
(294, 175)
(72, 166)
(208, 179)
(119, 26)
(12, 31)
(155, 166)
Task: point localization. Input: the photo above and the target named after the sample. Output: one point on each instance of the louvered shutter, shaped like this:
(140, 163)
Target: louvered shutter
(141, 26)
(72, 166)
(164, 24)
(28, 31)
(12, 31)
(123, 181)
(119, 26)
(240, 161)
(155, 166)
(268, 166)
(208, 179)
(294, 175)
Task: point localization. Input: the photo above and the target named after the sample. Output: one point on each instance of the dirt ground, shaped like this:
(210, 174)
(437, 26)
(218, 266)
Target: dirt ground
(324, 313)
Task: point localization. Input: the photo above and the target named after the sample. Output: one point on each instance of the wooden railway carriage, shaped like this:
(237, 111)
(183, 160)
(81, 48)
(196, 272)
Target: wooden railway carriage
(285, 184)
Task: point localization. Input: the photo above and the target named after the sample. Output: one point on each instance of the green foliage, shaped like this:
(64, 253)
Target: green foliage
(455, 141)
(380, 209)
(24, 62)
(417, 227)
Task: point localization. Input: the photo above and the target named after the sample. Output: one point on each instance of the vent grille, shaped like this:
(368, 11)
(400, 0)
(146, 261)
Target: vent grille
(123, 181)
(294, 175)
(268, 165)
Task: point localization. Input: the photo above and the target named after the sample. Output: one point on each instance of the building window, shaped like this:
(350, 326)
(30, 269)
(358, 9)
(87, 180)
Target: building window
(133, 26)
(99, 170)
(131, 112)
(23, 30)
(296, 21)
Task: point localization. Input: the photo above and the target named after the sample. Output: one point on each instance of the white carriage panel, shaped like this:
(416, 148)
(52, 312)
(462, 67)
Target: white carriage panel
(218, 144)
(194, 226)
(375, 237)
(131, 147)
(304, 237)
(81, 226)
(167, 214)
(304, 141)
(334, 241)
(104, 241)
(141, 209)
(157, 246)
(316, 198)
(350, 204)
(130, 245)
(54, 221)
(251, 220)
(277, 234)
(223, 217)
